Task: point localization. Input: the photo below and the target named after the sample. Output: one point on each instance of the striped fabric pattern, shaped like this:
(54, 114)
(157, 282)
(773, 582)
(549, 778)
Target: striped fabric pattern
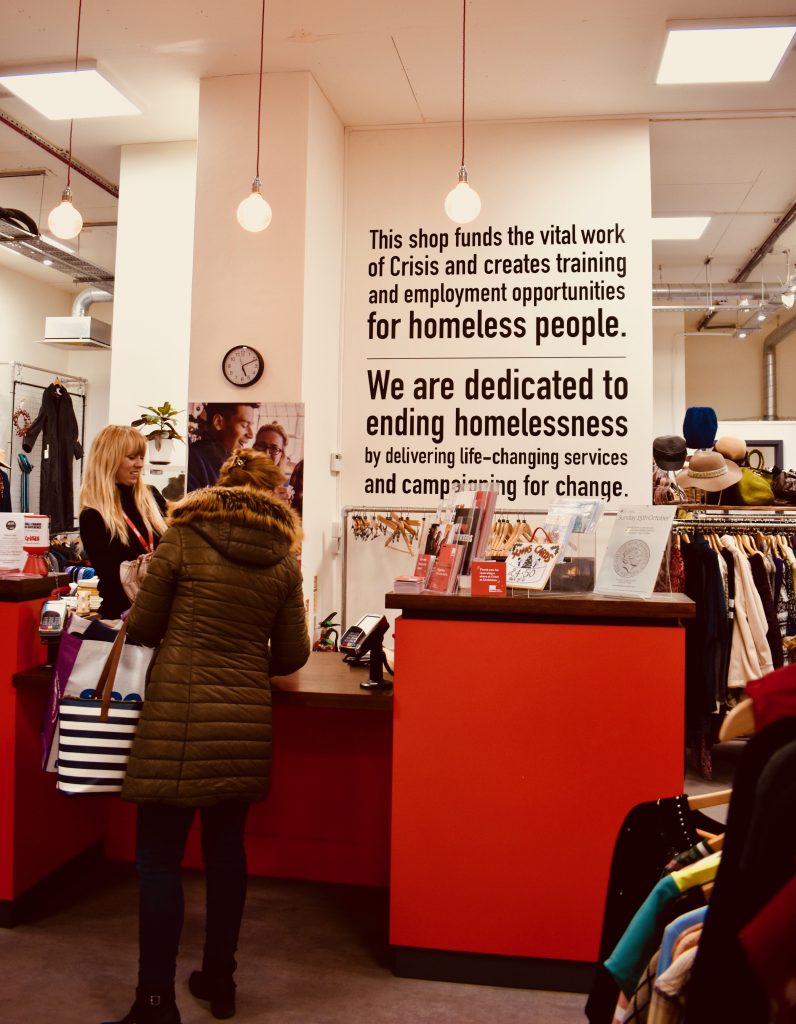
(92, 754)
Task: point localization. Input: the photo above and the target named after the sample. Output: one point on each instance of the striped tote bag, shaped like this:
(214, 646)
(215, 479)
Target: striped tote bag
(95, 733)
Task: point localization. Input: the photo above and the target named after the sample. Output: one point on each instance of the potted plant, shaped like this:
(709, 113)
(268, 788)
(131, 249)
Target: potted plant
(163, 434)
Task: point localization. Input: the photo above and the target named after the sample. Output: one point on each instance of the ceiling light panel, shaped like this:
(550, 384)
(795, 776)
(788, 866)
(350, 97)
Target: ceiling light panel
(67, 95)
(667, 228)
(735, 51)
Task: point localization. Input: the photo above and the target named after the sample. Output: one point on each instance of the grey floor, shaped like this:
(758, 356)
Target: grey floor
(310, 954)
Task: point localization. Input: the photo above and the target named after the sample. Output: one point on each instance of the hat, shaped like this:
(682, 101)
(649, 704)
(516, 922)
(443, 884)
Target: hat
(731, 448)
(669, 452)
(4, 459)
(709, 471)
(699, 426)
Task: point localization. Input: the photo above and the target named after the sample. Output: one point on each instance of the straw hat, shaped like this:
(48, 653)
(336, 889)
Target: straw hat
(709, 471)
(4, 459)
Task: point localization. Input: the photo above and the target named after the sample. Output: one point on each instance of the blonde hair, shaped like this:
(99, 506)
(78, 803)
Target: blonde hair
(246, 467)
(99, 489)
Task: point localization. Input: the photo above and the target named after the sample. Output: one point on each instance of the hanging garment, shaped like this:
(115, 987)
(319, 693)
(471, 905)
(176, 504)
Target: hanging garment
(634, 949)
(674, 931)
(769, 940)
(5, 492)
(60, 447)
(651, 835)
(723, 986)
(25, 469)
(760, 575)
(669, 991)
(750, 655)
(706, 639)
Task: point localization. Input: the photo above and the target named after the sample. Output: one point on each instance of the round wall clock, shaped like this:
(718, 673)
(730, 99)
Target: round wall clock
(243, 366)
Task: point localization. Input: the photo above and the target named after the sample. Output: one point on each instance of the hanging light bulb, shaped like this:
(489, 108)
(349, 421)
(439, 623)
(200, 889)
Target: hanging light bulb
(65, 221)
(462, 203)
(254, 212)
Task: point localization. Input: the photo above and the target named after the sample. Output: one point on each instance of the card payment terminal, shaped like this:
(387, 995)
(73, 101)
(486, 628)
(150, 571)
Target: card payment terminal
(354, 642)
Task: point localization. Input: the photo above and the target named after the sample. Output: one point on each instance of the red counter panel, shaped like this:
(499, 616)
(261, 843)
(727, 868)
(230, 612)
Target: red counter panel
(517, 749)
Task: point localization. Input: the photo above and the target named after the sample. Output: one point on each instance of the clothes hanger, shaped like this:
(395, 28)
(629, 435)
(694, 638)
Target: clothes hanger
(720, 796)
(739, 721)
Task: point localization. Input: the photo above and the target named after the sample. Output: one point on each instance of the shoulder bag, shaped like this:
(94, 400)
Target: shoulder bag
(132, 572)
(754, 487)
(96, 731)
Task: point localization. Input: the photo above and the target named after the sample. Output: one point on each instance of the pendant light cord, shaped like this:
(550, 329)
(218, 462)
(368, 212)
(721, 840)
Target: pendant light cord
(464, 51)
(72, 122)
(260, 93)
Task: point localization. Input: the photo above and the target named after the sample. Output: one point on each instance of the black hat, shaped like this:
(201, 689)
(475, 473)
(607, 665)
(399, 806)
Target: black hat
(669, 452)
(699, 426)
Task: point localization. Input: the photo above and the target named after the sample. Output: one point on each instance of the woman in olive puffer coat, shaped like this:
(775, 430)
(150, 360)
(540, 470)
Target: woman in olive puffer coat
(223, 600)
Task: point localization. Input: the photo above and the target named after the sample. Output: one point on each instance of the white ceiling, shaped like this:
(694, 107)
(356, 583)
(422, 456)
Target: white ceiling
(726, 150)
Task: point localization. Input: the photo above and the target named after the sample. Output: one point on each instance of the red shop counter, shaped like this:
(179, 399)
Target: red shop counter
(40, 830)
(524, 730)
(327, 817)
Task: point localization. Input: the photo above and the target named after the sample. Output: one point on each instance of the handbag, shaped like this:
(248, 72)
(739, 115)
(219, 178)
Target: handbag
(95, 733)
(82, 651)
(132, 572)
(784, 487)
(754, 487)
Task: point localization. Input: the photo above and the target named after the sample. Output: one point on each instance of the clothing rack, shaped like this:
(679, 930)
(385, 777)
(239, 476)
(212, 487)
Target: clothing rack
(81, 382)
(729, 518)
(26, 391)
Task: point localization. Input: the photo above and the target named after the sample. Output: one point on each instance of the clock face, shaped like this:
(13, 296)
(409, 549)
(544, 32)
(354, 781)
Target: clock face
(243, 366)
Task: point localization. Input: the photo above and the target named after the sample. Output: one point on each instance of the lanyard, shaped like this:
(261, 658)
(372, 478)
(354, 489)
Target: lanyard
(147, 547)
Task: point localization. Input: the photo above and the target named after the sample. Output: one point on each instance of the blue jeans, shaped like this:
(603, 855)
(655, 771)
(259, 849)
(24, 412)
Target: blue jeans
(160, 845)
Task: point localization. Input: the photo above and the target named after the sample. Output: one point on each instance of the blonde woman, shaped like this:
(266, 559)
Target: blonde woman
(120, 516)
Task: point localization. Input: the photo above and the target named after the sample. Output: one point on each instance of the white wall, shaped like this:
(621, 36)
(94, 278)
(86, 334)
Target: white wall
(154, 269)
(728, 374)
(278, 290)
(249, 288)
(25, 302)
(668, 374)
(320, 377)
(579, 196)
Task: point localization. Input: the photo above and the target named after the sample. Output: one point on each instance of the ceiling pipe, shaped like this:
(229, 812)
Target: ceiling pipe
(59, 153)
(770, 366)
(758, 255)
(758, 291)
(87, 298)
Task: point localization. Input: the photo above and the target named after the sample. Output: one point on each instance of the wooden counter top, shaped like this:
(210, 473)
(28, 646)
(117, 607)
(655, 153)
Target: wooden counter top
(30, 587)
(658, 610)
(324, 682)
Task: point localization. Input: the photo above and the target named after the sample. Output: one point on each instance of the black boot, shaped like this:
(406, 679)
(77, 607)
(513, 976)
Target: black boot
(151, 1008)
(214, 983)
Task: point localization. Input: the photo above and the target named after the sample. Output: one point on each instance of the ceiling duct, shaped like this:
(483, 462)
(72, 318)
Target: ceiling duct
(14, 236)
(79, 330)
(770, 366)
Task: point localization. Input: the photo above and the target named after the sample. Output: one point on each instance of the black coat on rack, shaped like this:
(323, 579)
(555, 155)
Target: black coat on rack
(57, 422)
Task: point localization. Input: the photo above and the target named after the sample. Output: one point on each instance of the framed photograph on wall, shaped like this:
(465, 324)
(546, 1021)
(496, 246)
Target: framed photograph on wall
(773, 453)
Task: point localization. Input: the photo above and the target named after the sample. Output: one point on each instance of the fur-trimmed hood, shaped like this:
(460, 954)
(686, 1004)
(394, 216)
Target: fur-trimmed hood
(244, 524)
